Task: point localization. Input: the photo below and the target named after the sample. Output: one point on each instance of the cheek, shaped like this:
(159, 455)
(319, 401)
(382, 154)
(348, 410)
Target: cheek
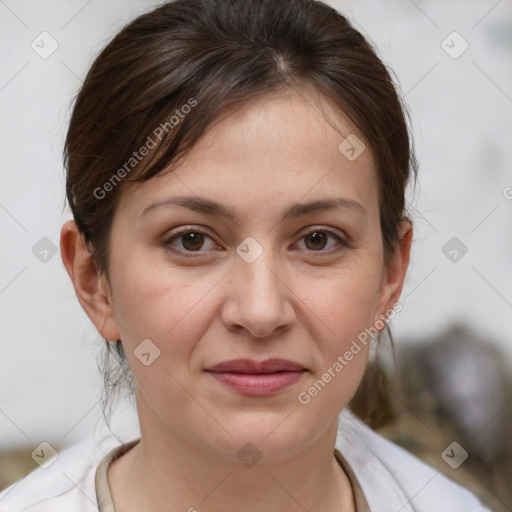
(345, 301)
(154, 294)
(160, 303)
(166, 307)
(344, 305)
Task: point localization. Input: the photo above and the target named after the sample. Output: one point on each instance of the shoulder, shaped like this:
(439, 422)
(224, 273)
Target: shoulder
(387, 471)
(67, 484)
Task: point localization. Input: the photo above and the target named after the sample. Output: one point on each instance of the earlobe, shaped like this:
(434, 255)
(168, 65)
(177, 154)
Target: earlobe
(91, 288)
(395, 271)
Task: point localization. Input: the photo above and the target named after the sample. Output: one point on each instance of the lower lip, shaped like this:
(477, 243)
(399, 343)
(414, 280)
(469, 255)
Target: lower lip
(258, 384)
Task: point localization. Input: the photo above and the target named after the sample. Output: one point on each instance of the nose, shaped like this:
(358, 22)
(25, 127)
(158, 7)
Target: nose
(258, 298)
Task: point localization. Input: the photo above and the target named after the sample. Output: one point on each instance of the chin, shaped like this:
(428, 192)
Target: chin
(270, 436)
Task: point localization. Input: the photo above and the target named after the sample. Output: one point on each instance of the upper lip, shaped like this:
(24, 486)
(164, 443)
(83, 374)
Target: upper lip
(250, 366)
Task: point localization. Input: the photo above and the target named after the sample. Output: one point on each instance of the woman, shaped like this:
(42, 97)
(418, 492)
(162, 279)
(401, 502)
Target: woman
(236, 172)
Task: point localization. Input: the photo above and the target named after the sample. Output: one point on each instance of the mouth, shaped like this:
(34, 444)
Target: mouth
(253, 378)
(250, 366)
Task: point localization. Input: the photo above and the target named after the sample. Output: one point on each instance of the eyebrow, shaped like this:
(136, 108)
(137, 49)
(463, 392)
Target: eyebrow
(208, 207)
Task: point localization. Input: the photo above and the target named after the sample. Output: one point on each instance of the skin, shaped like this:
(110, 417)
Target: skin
(301, 299)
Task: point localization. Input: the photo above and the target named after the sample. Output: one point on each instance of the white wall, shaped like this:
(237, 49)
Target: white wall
(461, 110)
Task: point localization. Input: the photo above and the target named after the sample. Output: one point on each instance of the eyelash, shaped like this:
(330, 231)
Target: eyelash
(194, 254)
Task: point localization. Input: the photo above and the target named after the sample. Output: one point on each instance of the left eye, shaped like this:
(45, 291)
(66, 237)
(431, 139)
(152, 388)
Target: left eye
(318, 239)
(192, 240)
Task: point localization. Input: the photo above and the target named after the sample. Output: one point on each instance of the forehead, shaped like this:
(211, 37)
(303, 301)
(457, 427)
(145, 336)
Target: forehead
(287, 123)
(279, 148)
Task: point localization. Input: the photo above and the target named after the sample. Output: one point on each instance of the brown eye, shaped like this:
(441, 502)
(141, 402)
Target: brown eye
(190, 241)
(317, 240)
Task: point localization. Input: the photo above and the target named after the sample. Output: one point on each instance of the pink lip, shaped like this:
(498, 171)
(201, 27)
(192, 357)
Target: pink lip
(257, 378)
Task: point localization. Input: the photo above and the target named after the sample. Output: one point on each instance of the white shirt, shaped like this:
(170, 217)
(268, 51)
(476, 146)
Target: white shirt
(391, 479)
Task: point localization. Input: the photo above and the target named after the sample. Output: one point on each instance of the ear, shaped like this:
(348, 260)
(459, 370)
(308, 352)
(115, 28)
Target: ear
(91, 288)
(394, 272)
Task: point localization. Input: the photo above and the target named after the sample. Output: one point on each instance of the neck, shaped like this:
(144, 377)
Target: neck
(165, 471)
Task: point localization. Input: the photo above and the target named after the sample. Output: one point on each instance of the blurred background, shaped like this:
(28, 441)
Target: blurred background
(452, 380)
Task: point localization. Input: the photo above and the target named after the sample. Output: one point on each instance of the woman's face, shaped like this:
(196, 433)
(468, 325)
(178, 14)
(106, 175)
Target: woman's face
(278, 279)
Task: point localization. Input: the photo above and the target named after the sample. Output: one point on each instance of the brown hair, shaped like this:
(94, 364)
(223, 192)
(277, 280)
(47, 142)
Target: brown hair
(209, 55)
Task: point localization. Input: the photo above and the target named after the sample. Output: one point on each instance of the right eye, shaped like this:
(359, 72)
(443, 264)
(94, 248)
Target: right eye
(191, 241)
